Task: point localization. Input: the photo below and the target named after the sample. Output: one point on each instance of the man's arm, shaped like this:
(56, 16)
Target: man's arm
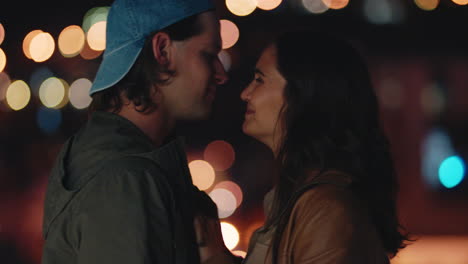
(125, 219)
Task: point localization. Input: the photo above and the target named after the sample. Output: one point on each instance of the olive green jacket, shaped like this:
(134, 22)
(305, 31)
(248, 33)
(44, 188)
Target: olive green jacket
(113, 197)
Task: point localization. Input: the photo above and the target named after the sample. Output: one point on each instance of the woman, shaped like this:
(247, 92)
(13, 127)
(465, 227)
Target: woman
(311, 102)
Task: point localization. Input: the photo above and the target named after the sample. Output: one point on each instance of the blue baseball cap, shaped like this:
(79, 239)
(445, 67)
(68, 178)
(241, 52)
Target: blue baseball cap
(129, 23)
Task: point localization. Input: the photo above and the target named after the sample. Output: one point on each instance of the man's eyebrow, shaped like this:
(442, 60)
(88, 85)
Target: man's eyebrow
(257, 70)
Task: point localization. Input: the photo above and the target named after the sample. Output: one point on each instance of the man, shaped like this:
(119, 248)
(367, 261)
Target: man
(120, 191)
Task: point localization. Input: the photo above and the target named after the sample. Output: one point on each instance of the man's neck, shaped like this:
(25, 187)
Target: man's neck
(156, 124)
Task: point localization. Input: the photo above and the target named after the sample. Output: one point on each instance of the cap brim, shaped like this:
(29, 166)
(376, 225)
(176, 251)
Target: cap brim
(115, 65)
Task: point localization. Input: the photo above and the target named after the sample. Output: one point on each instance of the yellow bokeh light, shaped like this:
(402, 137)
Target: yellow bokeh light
(229, 33)
(52, 92)
(315, 6)
(2, 33)
(268, 4)
(220, 154)
(3, 60)
(27, 42)
(96, 36)
(203, 174)
(225, 201)
(71, 41)
(18, 95)
(233, 188)
(336, 4)
(460, 2)
(230, 235)
(42, 47)
(427, 5)
(79, 93)
(94, 15)
(241, 7)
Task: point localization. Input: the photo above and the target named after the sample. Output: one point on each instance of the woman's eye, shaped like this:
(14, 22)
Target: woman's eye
(258, 80)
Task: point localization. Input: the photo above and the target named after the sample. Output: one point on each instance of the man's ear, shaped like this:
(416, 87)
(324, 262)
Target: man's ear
(163, 46)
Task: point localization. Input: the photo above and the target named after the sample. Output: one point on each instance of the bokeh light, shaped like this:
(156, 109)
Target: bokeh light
(241, 7)
(48, 119)
(233, 188)
(225, 201)
(436, 147)
(427, 5)
(18, 95)
(27, 42)
(93, 16)
(268, 4)
(225, 59)
(96, 36)
(220, 154)
(3, 60)
(433, 100)
(230, 235)
(38, 77)
(88, 53)
(229, 33)
(315, 6)
(336, 4)
(460, 2)
(451, 171)
(71, 41)
(382, 12)
(52, 92)
(79, 93)
(42, 47)
(203, 174)
(4, 84)
(2, 33)
(239, 253)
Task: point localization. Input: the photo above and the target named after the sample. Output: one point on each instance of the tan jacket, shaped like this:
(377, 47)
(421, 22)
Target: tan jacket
(327, 225)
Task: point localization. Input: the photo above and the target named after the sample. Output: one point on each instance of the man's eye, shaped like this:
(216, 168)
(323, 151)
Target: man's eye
(258, 79)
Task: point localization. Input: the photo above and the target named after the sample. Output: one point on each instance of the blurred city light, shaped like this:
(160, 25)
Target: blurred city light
(229, 33)
(233, 188)
(383, 11)
(42, 47)
(225, 201)
(268, 4)
(239, 253)
(18, 95)
(3, 60)
(436, 147)
(230, 235)
(315, 6)
(336, 4)
(460, 2)
(241, 7)
(451, 171)
(203, 174)
(89, 54)
(225, 59)
(79, 93)
(96, 36)
(93, 16)
(27, 42)
(220, 154)
(52, 92)
(71, 41)
(433, 100)
(4, 84)
(2, 33)
(38, 76)
(427, 5)
(48, 119)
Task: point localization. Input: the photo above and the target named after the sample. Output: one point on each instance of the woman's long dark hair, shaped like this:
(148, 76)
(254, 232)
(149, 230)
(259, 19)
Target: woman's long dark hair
(331, 121)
